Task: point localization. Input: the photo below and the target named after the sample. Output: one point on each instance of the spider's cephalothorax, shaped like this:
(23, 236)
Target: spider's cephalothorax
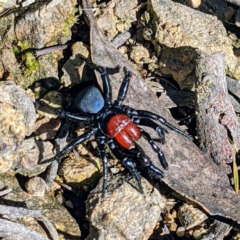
(117, 126)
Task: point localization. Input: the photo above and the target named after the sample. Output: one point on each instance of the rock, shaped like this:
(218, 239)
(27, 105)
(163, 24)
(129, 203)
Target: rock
(64, 223)
(190, 216)
(29, 154)
(194, 3)
(19, 99)
(180, 231)
(139, 55)
(125, 12)
(199, 232)
(180, 31)
(80, 172)
(17, 120)
(48, 25)
(73, 68)
(36, 186)
(124, 212)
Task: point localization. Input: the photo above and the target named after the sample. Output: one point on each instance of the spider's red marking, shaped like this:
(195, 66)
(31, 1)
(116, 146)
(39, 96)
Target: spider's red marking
(123, 130)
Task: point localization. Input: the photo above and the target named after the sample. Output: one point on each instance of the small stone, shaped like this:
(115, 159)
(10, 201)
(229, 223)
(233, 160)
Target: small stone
(60, 198)
(36, 186)
(180, 231)
(228, 14)
(123, 50)
(199, 232)
(168, 218)
(174, 214)
(114, 170)
(190, 216)
(69, 204)
(139, 55)
(173, 227)
(81, 173)
(29, 154)
(194, 3)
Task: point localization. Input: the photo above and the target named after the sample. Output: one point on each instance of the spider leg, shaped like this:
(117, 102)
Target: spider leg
(124, 87)
(107, 92)
(153, 171)
(126, 158)
(75, 116)
(149, 123)
(71, 145)
(101, 141)
(138, 153)
(161, 156)
(147, 114)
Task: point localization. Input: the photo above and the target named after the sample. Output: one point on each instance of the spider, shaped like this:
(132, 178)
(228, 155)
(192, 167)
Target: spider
(116, 125)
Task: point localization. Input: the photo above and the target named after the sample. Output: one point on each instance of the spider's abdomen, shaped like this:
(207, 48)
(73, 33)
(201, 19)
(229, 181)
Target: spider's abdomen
(90, 100)
(123, 130)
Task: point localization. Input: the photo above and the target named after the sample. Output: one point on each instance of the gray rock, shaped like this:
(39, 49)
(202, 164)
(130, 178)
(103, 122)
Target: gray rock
(124, 212)
(180, 31)
(64, 223)
(17, 120)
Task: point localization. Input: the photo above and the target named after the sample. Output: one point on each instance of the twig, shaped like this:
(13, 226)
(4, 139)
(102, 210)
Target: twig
(51, 174)
(47, 50)
(52, 231)
(5, 191)
(19, 212)
(120, 39)
(10, 230)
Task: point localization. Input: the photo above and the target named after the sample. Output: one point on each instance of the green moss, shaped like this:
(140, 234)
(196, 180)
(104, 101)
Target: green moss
(31, 64)
(24, 45)
(17, 50)
(37, 95)
(69, 22)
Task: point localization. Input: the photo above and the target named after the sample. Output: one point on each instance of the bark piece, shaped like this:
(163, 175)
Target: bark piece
(217, 125)
(233, 86)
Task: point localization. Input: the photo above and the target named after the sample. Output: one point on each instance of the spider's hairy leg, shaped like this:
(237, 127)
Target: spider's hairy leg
(107, 92)
(149, 123)
(124, 87)
(147, 114)
(161, 156)
(101, 141)
(71, 145)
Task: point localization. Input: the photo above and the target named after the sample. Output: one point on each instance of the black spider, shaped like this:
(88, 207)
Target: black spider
(115, 124)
